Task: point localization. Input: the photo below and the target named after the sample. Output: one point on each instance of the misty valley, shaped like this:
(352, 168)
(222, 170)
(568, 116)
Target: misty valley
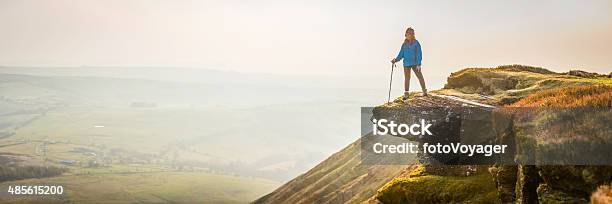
(169, 133)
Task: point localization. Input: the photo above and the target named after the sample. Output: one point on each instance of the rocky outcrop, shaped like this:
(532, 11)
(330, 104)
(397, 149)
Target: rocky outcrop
(559, 183)
(505, 177)
(510, 83)
(486, 83)
(584, 74)
(576, 181)
(343, 179)
(527, 184)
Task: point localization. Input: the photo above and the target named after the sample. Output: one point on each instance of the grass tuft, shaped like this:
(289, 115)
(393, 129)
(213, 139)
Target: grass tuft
(569, 97)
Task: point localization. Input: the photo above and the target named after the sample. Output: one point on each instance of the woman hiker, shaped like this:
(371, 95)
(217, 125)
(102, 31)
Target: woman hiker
(411, 53)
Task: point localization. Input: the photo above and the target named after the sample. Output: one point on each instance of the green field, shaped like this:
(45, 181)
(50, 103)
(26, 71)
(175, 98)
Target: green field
(139, 155)
(192, 143)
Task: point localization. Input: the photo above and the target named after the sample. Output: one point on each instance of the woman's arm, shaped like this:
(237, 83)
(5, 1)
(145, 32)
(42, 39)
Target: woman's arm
(419, 54)
(400, 55)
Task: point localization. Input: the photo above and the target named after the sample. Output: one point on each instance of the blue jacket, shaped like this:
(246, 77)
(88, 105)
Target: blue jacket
(410, 53)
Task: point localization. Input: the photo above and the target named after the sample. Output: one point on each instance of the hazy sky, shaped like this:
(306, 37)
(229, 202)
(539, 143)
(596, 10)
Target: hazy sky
(305, 37)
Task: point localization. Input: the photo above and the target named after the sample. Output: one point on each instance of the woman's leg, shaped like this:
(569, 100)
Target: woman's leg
(406, 80)
(419, 74)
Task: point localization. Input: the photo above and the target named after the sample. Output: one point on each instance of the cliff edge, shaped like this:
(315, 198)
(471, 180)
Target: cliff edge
(343, 179)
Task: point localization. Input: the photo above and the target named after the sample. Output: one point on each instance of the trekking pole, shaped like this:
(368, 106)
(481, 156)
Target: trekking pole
(390, 82)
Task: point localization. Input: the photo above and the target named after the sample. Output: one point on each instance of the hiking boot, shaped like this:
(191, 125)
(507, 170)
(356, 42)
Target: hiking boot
(406, 96)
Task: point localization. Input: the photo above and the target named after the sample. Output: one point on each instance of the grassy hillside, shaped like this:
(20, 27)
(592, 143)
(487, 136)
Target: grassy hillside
(503, 85)
(569, 97)
(339, 179)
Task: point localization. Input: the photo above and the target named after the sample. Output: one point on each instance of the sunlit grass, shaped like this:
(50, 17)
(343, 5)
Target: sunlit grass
(569, 97)
(439, 189)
